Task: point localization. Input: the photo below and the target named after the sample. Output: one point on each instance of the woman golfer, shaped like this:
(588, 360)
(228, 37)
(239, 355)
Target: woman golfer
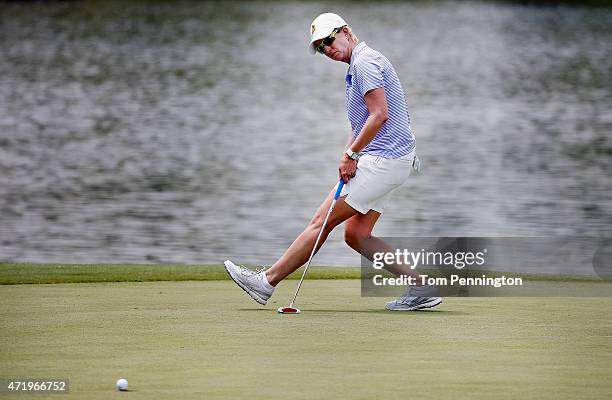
(379, 157)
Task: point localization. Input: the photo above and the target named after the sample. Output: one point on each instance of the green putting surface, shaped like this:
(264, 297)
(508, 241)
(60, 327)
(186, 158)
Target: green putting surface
(208, 339)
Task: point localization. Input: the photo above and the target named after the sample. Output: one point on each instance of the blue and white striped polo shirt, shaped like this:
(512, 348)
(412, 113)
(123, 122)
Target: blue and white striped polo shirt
(370, 70)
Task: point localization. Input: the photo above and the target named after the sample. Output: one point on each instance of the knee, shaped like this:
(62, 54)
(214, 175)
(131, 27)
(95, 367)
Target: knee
(316, 223)
(354, 237)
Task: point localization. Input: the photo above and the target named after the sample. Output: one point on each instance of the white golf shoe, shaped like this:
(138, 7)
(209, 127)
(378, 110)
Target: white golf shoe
(252, 282)
(416, 298)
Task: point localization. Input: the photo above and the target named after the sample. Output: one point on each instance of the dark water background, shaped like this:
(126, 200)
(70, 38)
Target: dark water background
(190, 132)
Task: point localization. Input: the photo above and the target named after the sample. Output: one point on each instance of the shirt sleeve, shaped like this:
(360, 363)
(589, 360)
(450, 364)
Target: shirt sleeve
(369, 74)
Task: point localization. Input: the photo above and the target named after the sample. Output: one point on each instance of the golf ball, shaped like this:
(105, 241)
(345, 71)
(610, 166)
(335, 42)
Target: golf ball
(122, 384)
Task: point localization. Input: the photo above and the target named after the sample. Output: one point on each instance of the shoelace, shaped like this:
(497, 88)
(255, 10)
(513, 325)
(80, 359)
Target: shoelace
(248, 272)
(407, 299)
(412, 295)
(409, 296)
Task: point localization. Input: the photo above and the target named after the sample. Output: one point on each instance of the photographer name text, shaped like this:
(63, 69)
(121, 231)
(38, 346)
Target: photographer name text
(452, 280)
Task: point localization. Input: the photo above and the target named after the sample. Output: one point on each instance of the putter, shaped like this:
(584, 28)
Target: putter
(291, 309)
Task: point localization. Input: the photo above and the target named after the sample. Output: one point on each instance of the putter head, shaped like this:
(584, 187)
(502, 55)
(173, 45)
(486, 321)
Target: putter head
(288, 310)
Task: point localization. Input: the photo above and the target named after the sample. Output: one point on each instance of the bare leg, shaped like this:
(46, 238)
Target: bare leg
(297, 254)
(358, 235)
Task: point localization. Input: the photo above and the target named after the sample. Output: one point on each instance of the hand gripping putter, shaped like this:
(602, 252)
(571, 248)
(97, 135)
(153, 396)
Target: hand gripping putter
(291, 309)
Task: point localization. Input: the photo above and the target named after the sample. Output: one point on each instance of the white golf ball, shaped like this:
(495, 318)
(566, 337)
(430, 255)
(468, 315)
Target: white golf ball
(122, 384)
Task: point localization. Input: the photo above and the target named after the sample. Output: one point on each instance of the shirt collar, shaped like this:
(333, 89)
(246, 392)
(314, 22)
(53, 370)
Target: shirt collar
(360, 46)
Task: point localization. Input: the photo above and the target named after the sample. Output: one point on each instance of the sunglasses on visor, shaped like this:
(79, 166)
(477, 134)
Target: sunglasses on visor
(327, 41)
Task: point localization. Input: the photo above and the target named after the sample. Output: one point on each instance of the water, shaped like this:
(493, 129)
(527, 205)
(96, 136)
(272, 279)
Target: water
(192, 132)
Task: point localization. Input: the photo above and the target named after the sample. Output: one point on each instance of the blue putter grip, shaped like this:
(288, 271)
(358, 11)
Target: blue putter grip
(340, 185)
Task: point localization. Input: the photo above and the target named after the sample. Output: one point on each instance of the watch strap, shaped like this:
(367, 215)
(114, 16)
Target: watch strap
(352, 154)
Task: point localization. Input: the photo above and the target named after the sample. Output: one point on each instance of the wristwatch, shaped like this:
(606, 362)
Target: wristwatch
(353, 155)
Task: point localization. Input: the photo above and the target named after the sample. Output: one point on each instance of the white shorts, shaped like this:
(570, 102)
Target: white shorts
(375, 179)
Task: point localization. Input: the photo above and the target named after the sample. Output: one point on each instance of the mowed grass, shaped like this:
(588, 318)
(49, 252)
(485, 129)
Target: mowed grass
(13, 273)
(207, 339)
